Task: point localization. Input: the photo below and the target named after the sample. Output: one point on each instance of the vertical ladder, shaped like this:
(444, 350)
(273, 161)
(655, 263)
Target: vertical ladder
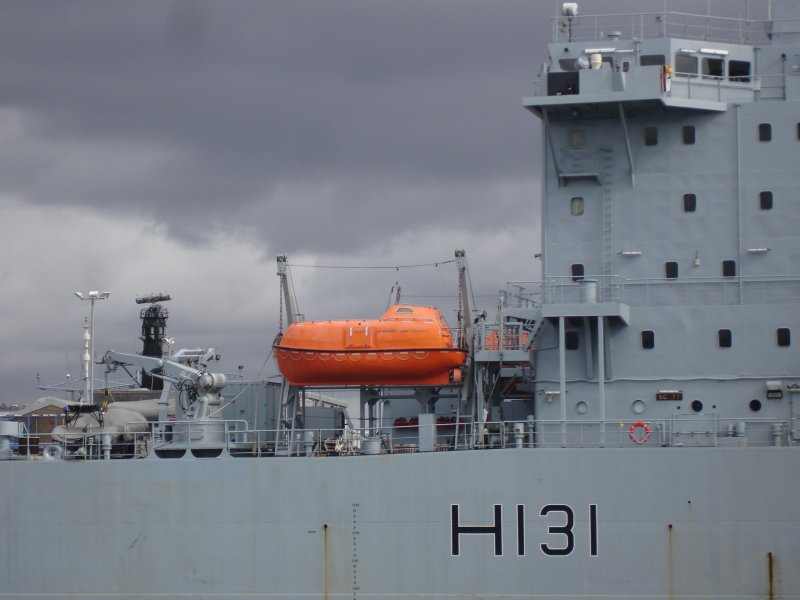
(607, 215)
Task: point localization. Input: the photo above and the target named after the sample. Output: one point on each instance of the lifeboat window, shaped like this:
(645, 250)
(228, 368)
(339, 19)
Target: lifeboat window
(685, 65)
(577, 272)
(764, 132)
(404, 309)
(729, 268)
(713, 68)
(647, 60)
(571, 340)
(784, 337)
(724, 338)
(689, 202)
(648, 339)
(688, 134)
(576, 206)
(671, 270)
(650, 136)
(765, 200)
(739, 70)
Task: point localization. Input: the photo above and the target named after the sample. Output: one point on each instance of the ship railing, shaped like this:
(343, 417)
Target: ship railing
(584, 289)
(448, 433)
(678, 291)
(507, 337)
(672, 431)
(697, 86)
(665, 24)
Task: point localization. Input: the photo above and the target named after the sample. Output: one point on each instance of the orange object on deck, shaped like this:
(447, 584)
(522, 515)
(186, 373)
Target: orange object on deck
(408, 345)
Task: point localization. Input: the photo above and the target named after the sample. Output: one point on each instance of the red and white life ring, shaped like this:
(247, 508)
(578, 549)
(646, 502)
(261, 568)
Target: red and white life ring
(639, 432)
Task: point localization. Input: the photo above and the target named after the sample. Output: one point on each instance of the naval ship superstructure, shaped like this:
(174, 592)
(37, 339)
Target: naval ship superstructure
(625, 428)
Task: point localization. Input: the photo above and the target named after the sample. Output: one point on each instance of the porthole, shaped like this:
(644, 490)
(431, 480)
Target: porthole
(638, 407)
(755, 405)
(581, 407)
(697, 406)
(576, 206)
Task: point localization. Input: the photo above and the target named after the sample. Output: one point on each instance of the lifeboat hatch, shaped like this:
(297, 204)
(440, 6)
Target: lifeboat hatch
(358, 337)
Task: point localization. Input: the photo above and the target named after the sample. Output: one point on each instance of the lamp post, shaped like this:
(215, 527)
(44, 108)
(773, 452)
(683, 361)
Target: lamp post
(88, 350)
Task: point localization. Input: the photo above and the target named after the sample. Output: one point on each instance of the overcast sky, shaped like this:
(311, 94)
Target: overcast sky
(178, 146)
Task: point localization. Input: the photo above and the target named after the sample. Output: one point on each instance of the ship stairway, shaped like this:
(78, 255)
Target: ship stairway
(606, 209)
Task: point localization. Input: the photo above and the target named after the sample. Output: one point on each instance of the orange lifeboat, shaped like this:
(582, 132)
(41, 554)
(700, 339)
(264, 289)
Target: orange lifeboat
(408, 345)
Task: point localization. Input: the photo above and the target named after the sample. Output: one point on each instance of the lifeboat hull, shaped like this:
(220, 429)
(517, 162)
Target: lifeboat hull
(408, 345)
(385, 367)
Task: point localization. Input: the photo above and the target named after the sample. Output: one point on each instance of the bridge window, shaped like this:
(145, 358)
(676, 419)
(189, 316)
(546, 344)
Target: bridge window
(765, 200)
(784, 337)
(577, 272)
(671, 269)
(562, 83)
(688, 134)
(576, 206)
(724, 338)
(764, 132)
(650, 136)
(729, 268)
(648, 340)
(685, 65)
(739, 70)
(647, 60)
(713, 68)
(689, 202)
(571, 340)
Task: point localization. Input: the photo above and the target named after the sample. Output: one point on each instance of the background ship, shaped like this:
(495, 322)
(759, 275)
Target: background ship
(625, 429)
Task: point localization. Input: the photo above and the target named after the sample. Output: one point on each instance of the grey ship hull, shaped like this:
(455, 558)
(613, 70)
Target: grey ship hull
(666, 523)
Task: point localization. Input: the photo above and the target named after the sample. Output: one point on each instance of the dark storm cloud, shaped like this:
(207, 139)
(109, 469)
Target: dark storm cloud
(234, 101)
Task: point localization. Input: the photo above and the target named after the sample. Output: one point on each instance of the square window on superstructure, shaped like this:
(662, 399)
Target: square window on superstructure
(713, 68)
(729, 268)
(685, 65)
(577, 272)
(671, 269)
(650, 136)
(765, 200)
(576, 206)
(739, 71)
(724, 338)
(648, 340)
(764, 132)
(647, 60)
(689, 202)
(688, 134)
(577, 139)
(784, 337)
(571, 340)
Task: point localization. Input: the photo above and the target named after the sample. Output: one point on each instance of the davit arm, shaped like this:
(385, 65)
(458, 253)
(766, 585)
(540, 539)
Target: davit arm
(203, 387)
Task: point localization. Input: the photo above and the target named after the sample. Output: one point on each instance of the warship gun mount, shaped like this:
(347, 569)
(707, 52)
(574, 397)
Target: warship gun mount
(196, 393)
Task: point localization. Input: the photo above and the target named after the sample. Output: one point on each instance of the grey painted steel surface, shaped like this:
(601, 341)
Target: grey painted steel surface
(671, 523)
(654, 178)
